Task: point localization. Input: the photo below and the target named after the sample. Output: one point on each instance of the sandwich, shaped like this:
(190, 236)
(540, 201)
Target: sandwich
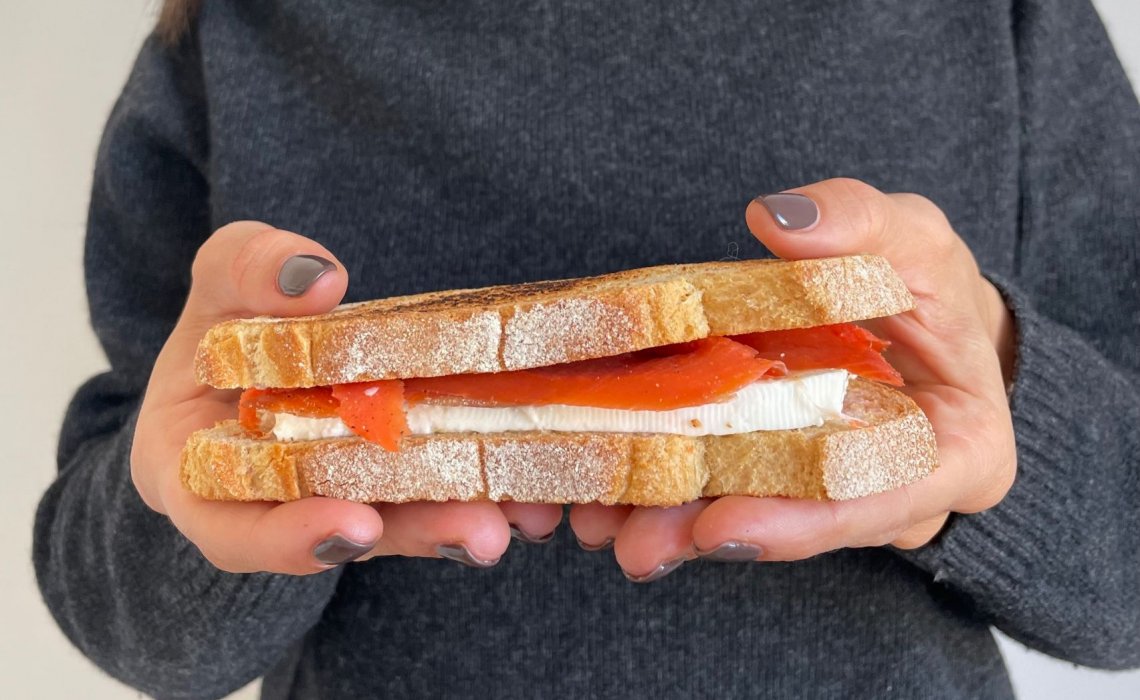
(651, 387)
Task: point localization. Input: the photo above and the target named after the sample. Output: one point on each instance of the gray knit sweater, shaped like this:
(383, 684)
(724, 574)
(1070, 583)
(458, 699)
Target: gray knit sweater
(435, 145)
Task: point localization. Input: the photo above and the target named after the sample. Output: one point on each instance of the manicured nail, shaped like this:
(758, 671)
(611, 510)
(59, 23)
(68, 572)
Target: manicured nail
(732, 551)
(663, 569)
(337, 550)
(299, 272)
(459, 553)
(793, 212)
(606, 544)
(523, 537)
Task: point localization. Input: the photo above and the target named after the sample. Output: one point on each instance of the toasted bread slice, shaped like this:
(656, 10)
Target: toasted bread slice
(533, 325)
(887, 443)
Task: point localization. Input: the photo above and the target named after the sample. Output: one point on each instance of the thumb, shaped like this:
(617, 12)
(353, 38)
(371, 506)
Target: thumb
(948, 334)
(246, 269)
(249, 268)
(849, 217)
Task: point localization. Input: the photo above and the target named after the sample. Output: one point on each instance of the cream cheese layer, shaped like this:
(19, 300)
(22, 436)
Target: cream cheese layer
(799, 400)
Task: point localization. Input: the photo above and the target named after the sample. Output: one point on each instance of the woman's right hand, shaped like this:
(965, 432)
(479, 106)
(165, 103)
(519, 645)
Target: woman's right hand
(250, 269)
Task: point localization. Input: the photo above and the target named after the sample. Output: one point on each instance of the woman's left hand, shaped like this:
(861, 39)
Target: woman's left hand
(954, 349)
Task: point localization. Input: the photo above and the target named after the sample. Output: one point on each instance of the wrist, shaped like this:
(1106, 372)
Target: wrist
(999, 326)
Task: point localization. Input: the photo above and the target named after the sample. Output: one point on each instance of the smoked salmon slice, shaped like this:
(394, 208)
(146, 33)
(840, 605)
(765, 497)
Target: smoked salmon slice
(374, 410)
(838, 346)
(317, 402)
(658, 379)
(692, 374)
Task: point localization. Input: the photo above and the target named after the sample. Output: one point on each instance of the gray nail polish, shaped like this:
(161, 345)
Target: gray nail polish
(460, 553)
(733, 551)
(521, 536)
(299, 272)
(662, 570)
(606, 544)
(337, 550)
(793, 212)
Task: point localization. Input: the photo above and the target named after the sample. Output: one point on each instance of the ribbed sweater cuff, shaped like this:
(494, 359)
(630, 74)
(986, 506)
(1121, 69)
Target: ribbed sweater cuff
(1001, 548)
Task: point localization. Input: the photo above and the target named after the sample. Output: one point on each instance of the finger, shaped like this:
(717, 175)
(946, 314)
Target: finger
(779, 529)
(787, 529)
(532, 523)
(654, 541)
(475, 533)
(299, 537)
(1000, 329)
(976, 470)
(596, 526)
(921, 533)
(247, 269)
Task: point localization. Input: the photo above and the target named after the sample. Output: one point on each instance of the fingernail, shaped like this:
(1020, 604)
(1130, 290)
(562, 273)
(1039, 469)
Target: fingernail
(662, 570)
(337, 550)
(299, 272)
(606, 544)
(732, 551)
(793, 212)
(521, 536)
(459, 553)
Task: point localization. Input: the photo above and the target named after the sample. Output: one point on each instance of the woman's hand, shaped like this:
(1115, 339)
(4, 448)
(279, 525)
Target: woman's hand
(249, 269)
(955, 350)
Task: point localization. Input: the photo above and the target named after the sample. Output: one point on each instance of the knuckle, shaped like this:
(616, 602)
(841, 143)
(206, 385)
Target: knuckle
(249, 257)
(853, 188)
(896, 509)
(142, 487)
(221, 562)
(878, 539)
(923, 207)
(921, 533)
(139, 482)
(863, 206)
(910, 540)
(140, 477)
(992, 482)
(1009, 469)
(1004, 474)
(217, 255)
(929, 218)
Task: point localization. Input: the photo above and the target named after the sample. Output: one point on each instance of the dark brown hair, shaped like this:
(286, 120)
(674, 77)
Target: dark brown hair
(174, 19)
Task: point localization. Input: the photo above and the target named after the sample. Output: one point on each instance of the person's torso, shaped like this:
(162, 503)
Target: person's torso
(439, 145)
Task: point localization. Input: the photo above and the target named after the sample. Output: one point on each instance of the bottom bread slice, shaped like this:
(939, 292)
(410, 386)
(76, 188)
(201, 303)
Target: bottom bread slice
(886, 443)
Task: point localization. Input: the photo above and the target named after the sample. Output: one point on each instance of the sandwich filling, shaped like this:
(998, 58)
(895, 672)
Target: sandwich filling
(716, 386)
(796, 401)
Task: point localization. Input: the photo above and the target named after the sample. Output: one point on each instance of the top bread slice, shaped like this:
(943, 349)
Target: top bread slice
(520, 326)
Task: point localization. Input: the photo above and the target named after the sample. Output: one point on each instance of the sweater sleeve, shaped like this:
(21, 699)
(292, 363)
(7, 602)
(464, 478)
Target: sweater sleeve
(123, 584)
(1055, 564)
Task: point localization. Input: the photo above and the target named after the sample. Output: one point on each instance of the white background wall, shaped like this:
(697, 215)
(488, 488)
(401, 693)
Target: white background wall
(61, 65)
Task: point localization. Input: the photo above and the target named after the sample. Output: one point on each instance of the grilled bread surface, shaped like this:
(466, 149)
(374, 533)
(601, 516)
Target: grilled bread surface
(544, 323)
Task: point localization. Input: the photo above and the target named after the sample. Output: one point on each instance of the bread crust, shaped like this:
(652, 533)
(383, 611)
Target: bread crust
(886, 443)
(537, 324)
